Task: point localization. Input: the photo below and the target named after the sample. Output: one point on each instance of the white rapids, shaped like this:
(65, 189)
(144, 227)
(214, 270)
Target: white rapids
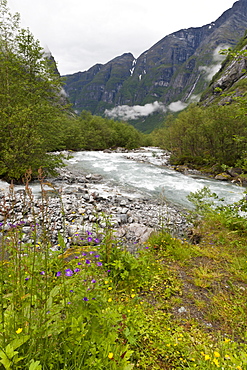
(145, 173)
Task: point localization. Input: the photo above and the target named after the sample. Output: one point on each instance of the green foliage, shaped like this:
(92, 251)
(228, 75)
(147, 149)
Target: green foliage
(207, 136)
(118, 311)
(29, 101)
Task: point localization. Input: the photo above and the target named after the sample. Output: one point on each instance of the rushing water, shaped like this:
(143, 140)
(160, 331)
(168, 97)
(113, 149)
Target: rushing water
(150, 178)
(137, 178)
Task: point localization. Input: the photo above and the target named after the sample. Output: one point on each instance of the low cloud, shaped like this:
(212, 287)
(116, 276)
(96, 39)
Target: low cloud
(210, 71)
(126, 112)
(177, 106)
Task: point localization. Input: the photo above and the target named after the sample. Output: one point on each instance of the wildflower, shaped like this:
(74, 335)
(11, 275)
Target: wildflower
(88, 233)
(216, 354)
(207, 357)
(68, 302)
(97, 256)
(84, 254)
(110, 355)
(19, 330)
(216, 362)
(89, 239)
(93, 281)
(58, 273)
(85, 299)
(133, 295)
(88, 262)
(96, 240)
(109, 288)
(99, 263)
(79, 263)
(76, 270)
(68, 272)
(27, 278)
(110, 300)
(71, 291)
(42, 273)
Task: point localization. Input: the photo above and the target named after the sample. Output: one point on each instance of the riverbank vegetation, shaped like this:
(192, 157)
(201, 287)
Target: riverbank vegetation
(174, 304)
(212, 137)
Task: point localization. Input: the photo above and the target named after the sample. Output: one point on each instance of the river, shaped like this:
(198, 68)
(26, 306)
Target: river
(146, 174)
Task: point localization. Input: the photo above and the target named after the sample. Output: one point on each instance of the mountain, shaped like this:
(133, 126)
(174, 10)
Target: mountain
(231, 80)
(178, 68)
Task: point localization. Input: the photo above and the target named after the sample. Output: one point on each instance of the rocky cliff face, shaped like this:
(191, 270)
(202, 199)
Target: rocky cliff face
(176, 68)
(231, 81)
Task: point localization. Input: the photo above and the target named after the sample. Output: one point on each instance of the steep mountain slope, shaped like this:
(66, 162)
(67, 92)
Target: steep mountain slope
(231, 80)
(176, 68)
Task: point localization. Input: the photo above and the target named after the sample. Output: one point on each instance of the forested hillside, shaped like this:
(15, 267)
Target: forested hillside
(34, 117)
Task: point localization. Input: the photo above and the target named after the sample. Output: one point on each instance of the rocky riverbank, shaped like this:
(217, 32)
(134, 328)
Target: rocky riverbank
(72, 207)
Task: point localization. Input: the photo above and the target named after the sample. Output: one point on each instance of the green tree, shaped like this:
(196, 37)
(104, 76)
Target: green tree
(30, 102)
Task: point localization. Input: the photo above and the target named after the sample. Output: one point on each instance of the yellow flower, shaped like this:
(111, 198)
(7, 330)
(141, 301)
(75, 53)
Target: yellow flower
(110, 299)
(216, 354)
(239, 368)
(18, 331)
(207, 357)
(133, 295)
(109, 288)
(110, 355)
(216, 362)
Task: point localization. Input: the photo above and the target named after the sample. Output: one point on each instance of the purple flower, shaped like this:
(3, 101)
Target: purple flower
(76, 257)
(88, 262)
(97, 256)
(79, 263)
(96, 240)
(89, 239)
(76, 270)
(68, 302)
(88, 233)
(93, 281)
(42, 273)
(27, 278)
(85, 299)
(71, 291)
(108, 270)
(84, 254)
(58, 273)
(68, 272)
(99, 263)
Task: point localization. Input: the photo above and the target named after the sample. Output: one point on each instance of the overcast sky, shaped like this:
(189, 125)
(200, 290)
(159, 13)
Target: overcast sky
(81, 33)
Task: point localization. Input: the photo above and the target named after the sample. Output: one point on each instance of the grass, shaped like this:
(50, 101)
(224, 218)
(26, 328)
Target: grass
(175, 306)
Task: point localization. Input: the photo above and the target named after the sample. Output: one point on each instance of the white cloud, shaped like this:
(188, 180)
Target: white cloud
(177, 106)
(126, 112)
(210, 71)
